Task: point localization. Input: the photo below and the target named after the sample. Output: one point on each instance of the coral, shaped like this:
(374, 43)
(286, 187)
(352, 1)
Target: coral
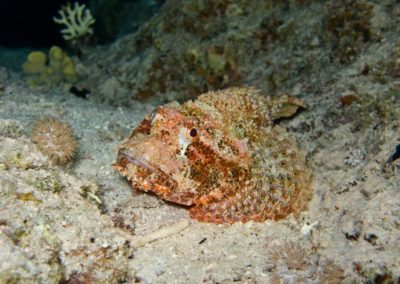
(379, 275)
(294, 264)
(35, 63)
(77, 21)
(51, 183)
(329, 272)
(58, 237)
(386, 69)
(59, 68)
(62, 63)
(210, 40)
(365, 110)
(221, 155)
(10, 128)
(347, 23)
(54, 139)
(91, 191)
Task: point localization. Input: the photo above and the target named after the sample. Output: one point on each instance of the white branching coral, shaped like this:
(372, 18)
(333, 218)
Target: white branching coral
(77, 20)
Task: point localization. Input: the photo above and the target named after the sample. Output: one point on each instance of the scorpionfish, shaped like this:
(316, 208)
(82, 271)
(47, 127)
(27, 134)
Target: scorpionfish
(221, 156)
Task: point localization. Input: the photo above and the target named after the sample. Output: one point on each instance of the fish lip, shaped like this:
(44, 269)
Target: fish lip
(171, 196)
(167, 182)
(139, 163)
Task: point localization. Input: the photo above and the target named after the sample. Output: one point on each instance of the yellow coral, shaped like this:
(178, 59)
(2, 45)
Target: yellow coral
(60, 67)
(35, 63)
(62, 63)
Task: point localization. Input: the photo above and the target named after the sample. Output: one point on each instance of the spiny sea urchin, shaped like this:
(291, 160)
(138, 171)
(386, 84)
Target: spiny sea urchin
(54, 139)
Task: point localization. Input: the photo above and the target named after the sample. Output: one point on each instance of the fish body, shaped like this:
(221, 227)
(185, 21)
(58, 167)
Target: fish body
(221, 155)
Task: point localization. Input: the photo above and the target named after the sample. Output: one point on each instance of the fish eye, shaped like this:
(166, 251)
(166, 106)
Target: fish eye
(193, 132)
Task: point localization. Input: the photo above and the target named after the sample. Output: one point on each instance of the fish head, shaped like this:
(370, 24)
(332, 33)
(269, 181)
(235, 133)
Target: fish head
(183, 153)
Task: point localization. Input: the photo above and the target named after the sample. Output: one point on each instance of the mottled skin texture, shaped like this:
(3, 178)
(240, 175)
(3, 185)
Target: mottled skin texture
(220, 155)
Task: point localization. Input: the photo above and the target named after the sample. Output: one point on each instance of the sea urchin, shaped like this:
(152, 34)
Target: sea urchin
(54, 139)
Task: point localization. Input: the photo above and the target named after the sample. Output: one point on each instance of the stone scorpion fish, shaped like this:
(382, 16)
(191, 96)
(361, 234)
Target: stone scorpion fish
(221, 156)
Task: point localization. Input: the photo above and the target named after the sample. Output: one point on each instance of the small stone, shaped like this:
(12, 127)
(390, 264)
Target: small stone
(231, 257)
(212, 266)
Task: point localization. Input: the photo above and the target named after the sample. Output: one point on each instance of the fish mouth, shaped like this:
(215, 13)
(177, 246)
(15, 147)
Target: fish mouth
(145, 177)
(137, 162)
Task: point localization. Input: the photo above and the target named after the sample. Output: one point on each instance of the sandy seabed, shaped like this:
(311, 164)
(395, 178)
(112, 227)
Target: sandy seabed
(81, 223)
